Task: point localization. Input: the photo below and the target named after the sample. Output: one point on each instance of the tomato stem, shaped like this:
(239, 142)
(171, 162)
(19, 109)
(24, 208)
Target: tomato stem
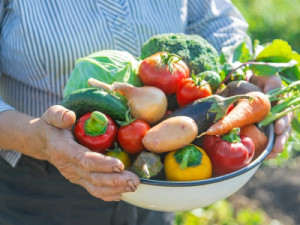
(169, 59)
(128, 119)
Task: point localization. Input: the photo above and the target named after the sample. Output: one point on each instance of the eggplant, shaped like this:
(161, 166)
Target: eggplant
(207, 111)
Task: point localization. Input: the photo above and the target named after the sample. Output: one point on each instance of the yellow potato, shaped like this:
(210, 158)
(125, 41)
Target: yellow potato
(171, 134)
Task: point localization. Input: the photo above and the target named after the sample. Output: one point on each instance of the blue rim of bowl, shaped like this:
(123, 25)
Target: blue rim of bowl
(269, 130)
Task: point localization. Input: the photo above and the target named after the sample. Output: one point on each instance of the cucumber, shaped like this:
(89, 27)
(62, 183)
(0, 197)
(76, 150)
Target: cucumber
(86, 100)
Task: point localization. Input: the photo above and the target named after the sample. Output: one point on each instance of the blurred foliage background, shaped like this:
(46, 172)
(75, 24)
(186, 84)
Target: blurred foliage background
(268, 20)
(272, 19)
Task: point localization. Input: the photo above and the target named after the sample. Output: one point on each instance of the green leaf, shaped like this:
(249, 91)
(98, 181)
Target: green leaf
(277, 51)
(241, 53)
(269, 69)
(238, 53)
(292, 73)
(280, 51)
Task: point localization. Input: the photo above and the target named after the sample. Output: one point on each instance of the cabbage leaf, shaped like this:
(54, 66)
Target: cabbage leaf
(107, 66)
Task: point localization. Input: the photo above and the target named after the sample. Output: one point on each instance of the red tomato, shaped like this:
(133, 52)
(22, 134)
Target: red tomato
(191, 89)
(130, 136)
(163, 70)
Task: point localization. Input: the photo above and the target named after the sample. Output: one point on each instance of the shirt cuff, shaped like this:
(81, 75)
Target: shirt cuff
(4, 106)
(11, 157)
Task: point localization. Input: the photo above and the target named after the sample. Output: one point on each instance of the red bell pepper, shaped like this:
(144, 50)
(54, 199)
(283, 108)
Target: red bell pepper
(229, 152)
(96, 131)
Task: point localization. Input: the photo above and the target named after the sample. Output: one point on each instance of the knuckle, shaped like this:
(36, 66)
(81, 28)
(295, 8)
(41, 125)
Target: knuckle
(115, 180)
(82, 162)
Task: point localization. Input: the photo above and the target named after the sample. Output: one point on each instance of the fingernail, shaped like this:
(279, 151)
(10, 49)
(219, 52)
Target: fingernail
(117, 169)
(128, 189)
(131, 185)
(62, 118)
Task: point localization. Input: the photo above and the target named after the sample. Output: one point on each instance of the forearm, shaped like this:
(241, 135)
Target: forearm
(17, 133)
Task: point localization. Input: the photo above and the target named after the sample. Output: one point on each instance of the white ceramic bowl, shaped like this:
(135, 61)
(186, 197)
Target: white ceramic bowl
(173, 196)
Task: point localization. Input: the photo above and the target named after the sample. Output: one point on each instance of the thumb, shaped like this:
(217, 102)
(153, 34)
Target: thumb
(271, 83)
(60, 117)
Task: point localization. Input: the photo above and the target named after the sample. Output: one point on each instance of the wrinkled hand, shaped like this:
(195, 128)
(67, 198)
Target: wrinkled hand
(102, 176)
(282, 126)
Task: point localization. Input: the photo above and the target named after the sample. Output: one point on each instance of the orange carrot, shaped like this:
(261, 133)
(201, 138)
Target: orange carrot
(259, 139)
(244, 113)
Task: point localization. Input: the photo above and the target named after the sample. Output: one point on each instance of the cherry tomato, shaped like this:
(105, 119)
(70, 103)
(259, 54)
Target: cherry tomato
(130, 136)
(163, 70)
(191, 89)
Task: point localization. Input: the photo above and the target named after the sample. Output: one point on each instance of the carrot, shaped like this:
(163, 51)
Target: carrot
(244, 113)
(259, 139)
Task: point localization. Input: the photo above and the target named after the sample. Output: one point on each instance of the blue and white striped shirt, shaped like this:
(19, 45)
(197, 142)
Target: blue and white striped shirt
(40, 41)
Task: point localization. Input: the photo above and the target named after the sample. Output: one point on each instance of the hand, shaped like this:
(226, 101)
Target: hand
(282, 126)
(102, 176)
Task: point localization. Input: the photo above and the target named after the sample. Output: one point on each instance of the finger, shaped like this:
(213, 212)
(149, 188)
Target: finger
(107, 193)
(271, 83)
(272, 155)
(266, 83)
(280, 141)
(89, 161)
(282, 124)
(111, 194)
(124, 179)
(59, 116)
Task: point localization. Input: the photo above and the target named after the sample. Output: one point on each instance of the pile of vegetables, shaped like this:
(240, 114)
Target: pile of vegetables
(182, 112)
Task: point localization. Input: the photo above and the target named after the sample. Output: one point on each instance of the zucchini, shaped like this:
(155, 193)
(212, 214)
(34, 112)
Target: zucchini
(86, 100)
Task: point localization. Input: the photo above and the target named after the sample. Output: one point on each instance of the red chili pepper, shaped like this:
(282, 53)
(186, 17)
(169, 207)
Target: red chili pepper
(96, 131)
(229, 152)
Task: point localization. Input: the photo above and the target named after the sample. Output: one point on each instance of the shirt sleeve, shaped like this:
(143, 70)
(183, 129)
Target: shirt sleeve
(12, 157)
(218, 21)
(3, 106)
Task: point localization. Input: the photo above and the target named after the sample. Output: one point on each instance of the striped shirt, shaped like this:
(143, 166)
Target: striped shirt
(40, 41)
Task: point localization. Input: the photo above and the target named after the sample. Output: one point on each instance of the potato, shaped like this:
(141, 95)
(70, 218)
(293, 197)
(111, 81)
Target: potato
(171, 134)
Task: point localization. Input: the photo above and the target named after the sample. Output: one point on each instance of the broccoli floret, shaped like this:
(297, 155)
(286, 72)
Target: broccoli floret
(198, 53)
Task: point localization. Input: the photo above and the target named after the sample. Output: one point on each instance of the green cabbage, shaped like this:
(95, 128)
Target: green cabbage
(107, 66)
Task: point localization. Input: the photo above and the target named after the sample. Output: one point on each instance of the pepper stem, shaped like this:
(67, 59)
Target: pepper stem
(185, 158)
(96, 124)
(233, 136)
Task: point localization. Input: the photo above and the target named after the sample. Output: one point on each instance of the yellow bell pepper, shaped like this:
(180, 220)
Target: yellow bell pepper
(121, 155)
(187, 164)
